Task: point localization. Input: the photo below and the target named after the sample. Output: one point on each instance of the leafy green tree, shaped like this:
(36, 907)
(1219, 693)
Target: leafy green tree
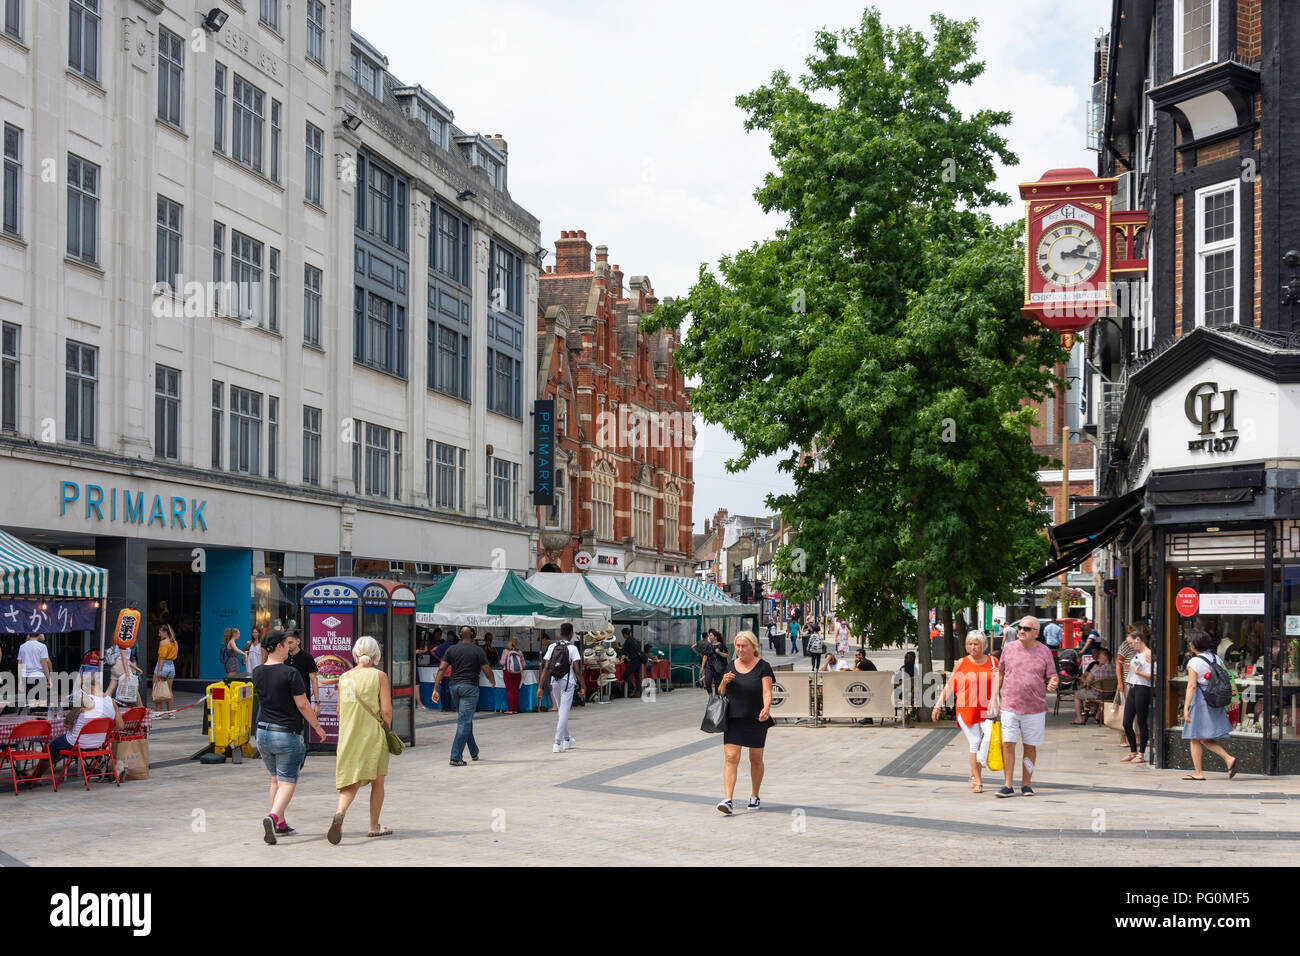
(881, 327)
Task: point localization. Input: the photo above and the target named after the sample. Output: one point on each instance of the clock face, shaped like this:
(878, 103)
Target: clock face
(1068, 254)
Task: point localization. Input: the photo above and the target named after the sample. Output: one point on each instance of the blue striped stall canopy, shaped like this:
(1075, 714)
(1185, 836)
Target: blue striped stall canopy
(26, 571)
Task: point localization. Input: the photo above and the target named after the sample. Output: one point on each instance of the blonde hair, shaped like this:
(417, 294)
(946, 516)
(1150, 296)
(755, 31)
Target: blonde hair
(753, 641)
(979, 636)
(366, 651)
(512, 644)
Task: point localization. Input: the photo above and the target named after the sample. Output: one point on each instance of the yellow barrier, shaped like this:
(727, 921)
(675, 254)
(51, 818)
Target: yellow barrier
(230, 709)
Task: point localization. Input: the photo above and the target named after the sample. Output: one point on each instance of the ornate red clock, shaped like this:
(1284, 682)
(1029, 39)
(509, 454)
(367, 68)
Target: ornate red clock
(1067, 249)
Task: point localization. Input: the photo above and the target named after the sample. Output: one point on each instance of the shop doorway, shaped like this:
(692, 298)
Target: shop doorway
(173, 591)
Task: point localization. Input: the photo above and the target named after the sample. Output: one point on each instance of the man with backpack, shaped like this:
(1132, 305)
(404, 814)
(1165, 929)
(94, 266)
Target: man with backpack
(562, 672)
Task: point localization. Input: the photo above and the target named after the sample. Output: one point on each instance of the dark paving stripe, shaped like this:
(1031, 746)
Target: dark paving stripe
(600, 779)
(1041, 788)
(7, 860)
(910, 762)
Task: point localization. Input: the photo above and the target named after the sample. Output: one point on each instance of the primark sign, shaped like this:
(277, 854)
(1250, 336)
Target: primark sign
(131, 506)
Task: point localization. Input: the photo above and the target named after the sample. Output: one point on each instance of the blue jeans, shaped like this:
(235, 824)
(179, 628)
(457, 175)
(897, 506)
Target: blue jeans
(282, 750)
(465, 697)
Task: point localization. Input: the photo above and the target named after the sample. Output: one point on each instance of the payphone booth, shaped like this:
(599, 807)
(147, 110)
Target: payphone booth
(388, 615)
(331, 615)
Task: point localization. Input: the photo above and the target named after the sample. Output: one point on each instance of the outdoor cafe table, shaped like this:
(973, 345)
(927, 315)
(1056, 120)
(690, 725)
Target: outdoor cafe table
(55, 716)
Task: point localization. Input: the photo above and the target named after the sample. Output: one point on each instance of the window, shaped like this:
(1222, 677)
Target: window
(272, 437)
(310, 445)
(247, 122)
(83, 38)
(379, 332)
(505, 385)
(643, 519)
(245, 431)
(449, 477)
(14, 18)
(672, 529)
(166, 412)
(218, 263)
(219, 112)
(380, 202)
(1195, 25)
(275, 141)
(9, 377)
(316, 31)
(1216, 254)
(449, 251)
(602, 503)
(83, 209)
(376, 454)
(507, 292)
(168, 265)
(397, 466)
(13, 180)
(493, 166)
(217, 389)
(273, 295)
(171, 76)
(313, 190)
(246, 275)
(82, 362)
(367, 75)
(448, 365)
(311, 283)
(505, 489)
(435, 124)
(356, 457)
(270, 14)
(557, 516)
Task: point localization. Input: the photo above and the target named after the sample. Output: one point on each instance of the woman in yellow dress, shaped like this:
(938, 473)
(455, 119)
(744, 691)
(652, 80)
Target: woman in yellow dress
(363, 746)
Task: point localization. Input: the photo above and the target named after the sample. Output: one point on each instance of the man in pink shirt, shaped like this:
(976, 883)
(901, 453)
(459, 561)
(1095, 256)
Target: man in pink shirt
(1026, 672)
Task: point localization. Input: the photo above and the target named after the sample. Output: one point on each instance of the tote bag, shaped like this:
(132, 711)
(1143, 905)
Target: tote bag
(994, 737)
(715, 715)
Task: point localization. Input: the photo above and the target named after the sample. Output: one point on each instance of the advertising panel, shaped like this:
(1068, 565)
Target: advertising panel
(329, 641)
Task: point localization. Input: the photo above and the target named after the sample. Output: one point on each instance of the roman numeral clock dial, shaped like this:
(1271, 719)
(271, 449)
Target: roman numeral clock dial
(1068, 254)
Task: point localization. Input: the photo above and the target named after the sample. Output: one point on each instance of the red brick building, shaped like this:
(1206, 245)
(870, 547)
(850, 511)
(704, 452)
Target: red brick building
(624, 425)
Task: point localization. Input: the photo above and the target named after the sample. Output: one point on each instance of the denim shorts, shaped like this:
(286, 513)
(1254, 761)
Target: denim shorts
(282, 752)
(167, 669)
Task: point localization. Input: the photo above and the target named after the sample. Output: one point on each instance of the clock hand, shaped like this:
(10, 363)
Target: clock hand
(1080, 253)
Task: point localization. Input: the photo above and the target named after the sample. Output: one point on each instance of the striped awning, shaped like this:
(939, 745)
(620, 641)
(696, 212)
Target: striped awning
(30, 572)
(665, 591)
(720, 604)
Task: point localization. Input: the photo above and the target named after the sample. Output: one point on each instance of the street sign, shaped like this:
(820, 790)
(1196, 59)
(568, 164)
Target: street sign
(1187, 601)
(582, 560)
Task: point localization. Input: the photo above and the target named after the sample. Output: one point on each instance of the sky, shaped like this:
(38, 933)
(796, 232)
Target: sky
(620, 119)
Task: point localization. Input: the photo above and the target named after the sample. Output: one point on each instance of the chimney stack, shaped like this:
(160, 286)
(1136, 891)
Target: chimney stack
(572, 252)
(616, 281)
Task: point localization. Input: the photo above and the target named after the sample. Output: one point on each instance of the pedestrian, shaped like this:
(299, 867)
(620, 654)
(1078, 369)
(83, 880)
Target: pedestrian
(771, 636)
(747, 685)
(440, 650)
(715, 661)
(905, 681)
(1025, 668)
(971, 685)
(121, 661)
(279, 729)
(562, 672)
(493, 655)
(861, 661)
(1009, 634)
(253, 650)
(164, 671)
(1137, 699)
(231, 654)
(814, 646)
(543, 692)
(794, 633)
(1204, 726)
(33, 673)
(1096, 669)
(842, 640)
(464, 662)
(1052, 635)
(512, 671)
(365, 716)
(633, 663)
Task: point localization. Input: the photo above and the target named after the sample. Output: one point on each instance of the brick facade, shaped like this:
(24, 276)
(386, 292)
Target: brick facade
(624, 410)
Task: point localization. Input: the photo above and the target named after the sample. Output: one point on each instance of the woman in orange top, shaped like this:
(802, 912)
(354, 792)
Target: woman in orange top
(971, 685)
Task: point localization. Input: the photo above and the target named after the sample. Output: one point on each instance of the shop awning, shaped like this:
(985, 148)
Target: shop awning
(596, 602)
(30, 572)
(493, 599)
(1074, 540)
(720, 603)
(665, 591)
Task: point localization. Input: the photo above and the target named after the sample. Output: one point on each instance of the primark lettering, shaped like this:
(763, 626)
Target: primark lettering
(128, 506)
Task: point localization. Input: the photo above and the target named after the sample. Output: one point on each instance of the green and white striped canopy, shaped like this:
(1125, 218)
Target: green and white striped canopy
(30, 572)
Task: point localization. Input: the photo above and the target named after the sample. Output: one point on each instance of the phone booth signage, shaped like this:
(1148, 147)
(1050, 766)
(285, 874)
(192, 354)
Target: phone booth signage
(388, 615)
(331, 610)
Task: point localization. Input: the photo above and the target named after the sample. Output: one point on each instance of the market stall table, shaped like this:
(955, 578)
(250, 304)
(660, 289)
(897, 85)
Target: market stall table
(494, 698)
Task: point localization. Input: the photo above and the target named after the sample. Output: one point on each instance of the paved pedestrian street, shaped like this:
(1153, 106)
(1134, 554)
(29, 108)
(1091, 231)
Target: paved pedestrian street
(640, 789)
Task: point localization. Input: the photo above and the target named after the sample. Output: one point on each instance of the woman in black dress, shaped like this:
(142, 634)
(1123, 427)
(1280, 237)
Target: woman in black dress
(747, 685)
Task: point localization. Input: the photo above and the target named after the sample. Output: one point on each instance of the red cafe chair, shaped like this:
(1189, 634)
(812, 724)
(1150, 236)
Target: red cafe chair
(100, 725)
(29, 743)
(132, 719)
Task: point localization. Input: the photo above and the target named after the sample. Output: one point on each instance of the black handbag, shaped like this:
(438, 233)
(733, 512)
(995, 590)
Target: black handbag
(715, 715)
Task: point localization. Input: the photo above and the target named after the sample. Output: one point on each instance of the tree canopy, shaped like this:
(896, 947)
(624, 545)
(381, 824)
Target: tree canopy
(881, 328)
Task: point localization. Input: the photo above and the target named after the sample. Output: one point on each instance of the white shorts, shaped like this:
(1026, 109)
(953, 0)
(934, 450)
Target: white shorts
(1028, 729)
(974, 735)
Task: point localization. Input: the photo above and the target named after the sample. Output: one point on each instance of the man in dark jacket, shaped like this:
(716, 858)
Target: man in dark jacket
(633, 662)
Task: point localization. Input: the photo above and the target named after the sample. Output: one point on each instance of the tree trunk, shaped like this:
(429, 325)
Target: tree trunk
(945, 617)
(962, 630)
(923, 659)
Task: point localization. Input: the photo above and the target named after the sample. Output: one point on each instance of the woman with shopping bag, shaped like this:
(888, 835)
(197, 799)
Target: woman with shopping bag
(164, 671)
(971, 685)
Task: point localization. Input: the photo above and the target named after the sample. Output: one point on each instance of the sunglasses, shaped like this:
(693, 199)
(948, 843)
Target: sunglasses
(1023, 628)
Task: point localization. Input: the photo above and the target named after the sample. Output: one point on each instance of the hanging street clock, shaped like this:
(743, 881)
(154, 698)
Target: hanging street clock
(1067, 250)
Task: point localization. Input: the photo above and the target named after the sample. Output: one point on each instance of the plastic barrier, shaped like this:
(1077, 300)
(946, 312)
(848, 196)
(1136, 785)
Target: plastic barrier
(230, 723)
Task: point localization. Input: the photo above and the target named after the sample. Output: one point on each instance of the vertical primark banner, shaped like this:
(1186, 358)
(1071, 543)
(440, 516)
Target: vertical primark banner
(544, 452)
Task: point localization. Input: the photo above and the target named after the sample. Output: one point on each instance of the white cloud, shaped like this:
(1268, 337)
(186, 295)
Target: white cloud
(621, 120)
